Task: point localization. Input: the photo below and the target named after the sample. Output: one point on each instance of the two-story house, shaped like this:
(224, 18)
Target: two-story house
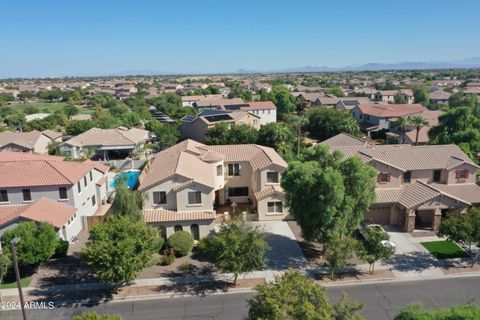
(265, 110)
(28, 178)
(389, 95)
(186, 182)
(416, 185)
(196, 127)
(376, 117)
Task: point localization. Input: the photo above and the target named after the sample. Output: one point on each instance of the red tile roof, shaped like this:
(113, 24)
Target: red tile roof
(163, 215)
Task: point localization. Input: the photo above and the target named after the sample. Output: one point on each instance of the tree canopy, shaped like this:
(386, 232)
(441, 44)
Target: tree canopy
(127, 202)
(294, 296)
(325, 123)
(236, 134)
(460, 126)
(344, 190)
(281, 97)
(38, 242)
(120, 247)
(458, 312)
(237, 248)
(279, 136)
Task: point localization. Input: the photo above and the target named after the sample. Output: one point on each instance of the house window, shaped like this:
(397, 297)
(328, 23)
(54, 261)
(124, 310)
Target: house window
(233, 169)
(177, 228)
(94, 201)
(195, 231)
(3, 196)
(384, 177)
(462, 174)
(91, 176)
(79, 187)
(272, 177)
(219, 170)
(360, 116)
(437, 175)
(407, 176)
(238, 192)
(62, 193)
(159, 197)
(85, 181)
(275, 207)
(367, 117)
(195, 197)
(27, 195)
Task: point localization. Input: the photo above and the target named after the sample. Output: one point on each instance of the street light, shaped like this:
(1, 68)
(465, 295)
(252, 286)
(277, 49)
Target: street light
(13, 243)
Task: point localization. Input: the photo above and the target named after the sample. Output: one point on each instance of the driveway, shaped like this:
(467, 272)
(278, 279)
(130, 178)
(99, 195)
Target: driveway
(284, 250)
(411, 259)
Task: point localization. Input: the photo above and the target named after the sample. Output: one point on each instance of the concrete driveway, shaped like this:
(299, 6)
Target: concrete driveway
(411, 259)
(284, 250)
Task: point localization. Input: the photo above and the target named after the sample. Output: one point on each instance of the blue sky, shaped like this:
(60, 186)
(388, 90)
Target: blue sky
(74, 37)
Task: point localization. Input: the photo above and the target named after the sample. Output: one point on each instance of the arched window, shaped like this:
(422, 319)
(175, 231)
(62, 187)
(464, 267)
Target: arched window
(163, 232)
(195, 231)
(177, 228)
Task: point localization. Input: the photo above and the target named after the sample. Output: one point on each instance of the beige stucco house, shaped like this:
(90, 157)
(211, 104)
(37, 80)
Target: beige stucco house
(196, 127)
(186, 183)
(416, 185)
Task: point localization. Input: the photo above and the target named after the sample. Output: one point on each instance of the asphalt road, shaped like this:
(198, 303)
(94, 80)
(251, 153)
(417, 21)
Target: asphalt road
(381, 301)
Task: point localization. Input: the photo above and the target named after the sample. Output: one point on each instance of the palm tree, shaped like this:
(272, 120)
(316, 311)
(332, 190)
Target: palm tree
(402, 123)
(418, 122)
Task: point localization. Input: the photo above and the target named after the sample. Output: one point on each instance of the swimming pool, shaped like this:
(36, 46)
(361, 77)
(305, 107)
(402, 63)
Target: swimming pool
(131, 178)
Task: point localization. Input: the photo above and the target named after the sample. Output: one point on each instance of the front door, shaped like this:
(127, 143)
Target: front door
(217, 197)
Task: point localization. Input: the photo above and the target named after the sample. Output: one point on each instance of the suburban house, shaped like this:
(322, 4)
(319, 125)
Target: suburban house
(33, 141)
(187, 183)
(105, 144)
(439, 97)
(196, 127)
(188, 101)
(350, 103)
(389, 95)
(375, 117)
(265, 110)
(416, 185)
(47, 188)
(395, 134)
(222, 103)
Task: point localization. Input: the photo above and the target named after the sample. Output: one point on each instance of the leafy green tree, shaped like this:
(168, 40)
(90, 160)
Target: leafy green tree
(294, 296)
(281, 97)
(326, 123)
(344, 190)
(420, 94)
(298, 123)
(460, 126)
(96, 316)
(167, 134)
(336, 91)
(373, 248)
(15, 120)
(459, 99)
(458, 312)
(418, 122)
(127, 202)
(75, 127)
(237, 248)
(38, 242)
(338, 251)
(347, 309)
(279, 136)
(399, 99)
(236, 134)
(119, 248)
(70, 110)
(31, 110)
(463, 228)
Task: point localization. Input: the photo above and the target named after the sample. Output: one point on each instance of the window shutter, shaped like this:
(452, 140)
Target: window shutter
(457, 174)
(467, 173)
(379, 177)
(389, 177)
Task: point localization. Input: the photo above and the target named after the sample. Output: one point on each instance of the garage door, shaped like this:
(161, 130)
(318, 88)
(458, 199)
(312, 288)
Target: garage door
(380, 216)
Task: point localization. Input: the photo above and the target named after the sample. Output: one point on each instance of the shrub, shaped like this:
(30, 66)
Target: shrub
(168, 258)
(185, 266)
(182, 242)
(62, 249)
(96, 316)
(161, 242)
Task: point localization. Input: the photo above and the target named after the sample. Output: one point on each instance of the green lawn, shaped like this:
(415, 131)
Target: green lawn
(52, 106)
(444, 249)
(24, 282)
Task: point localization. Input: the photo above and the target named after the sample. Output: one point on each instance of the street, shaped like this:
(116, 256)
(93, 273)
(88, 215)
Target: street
(381, 301)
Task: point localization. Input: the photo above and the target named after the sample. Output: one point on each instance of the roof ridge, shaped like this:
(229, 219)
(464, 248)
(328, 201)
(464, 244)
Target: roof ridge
(54, 168)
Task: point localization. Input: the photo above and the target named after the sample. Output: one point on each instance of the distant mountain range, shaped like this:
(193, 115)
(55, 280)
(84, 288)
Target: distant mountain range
(458, 64)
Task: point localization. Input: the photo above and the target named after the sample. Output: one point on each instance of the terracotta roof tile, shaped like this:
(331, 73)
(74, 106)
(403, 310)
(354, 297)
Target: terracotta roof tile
(163, 215)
